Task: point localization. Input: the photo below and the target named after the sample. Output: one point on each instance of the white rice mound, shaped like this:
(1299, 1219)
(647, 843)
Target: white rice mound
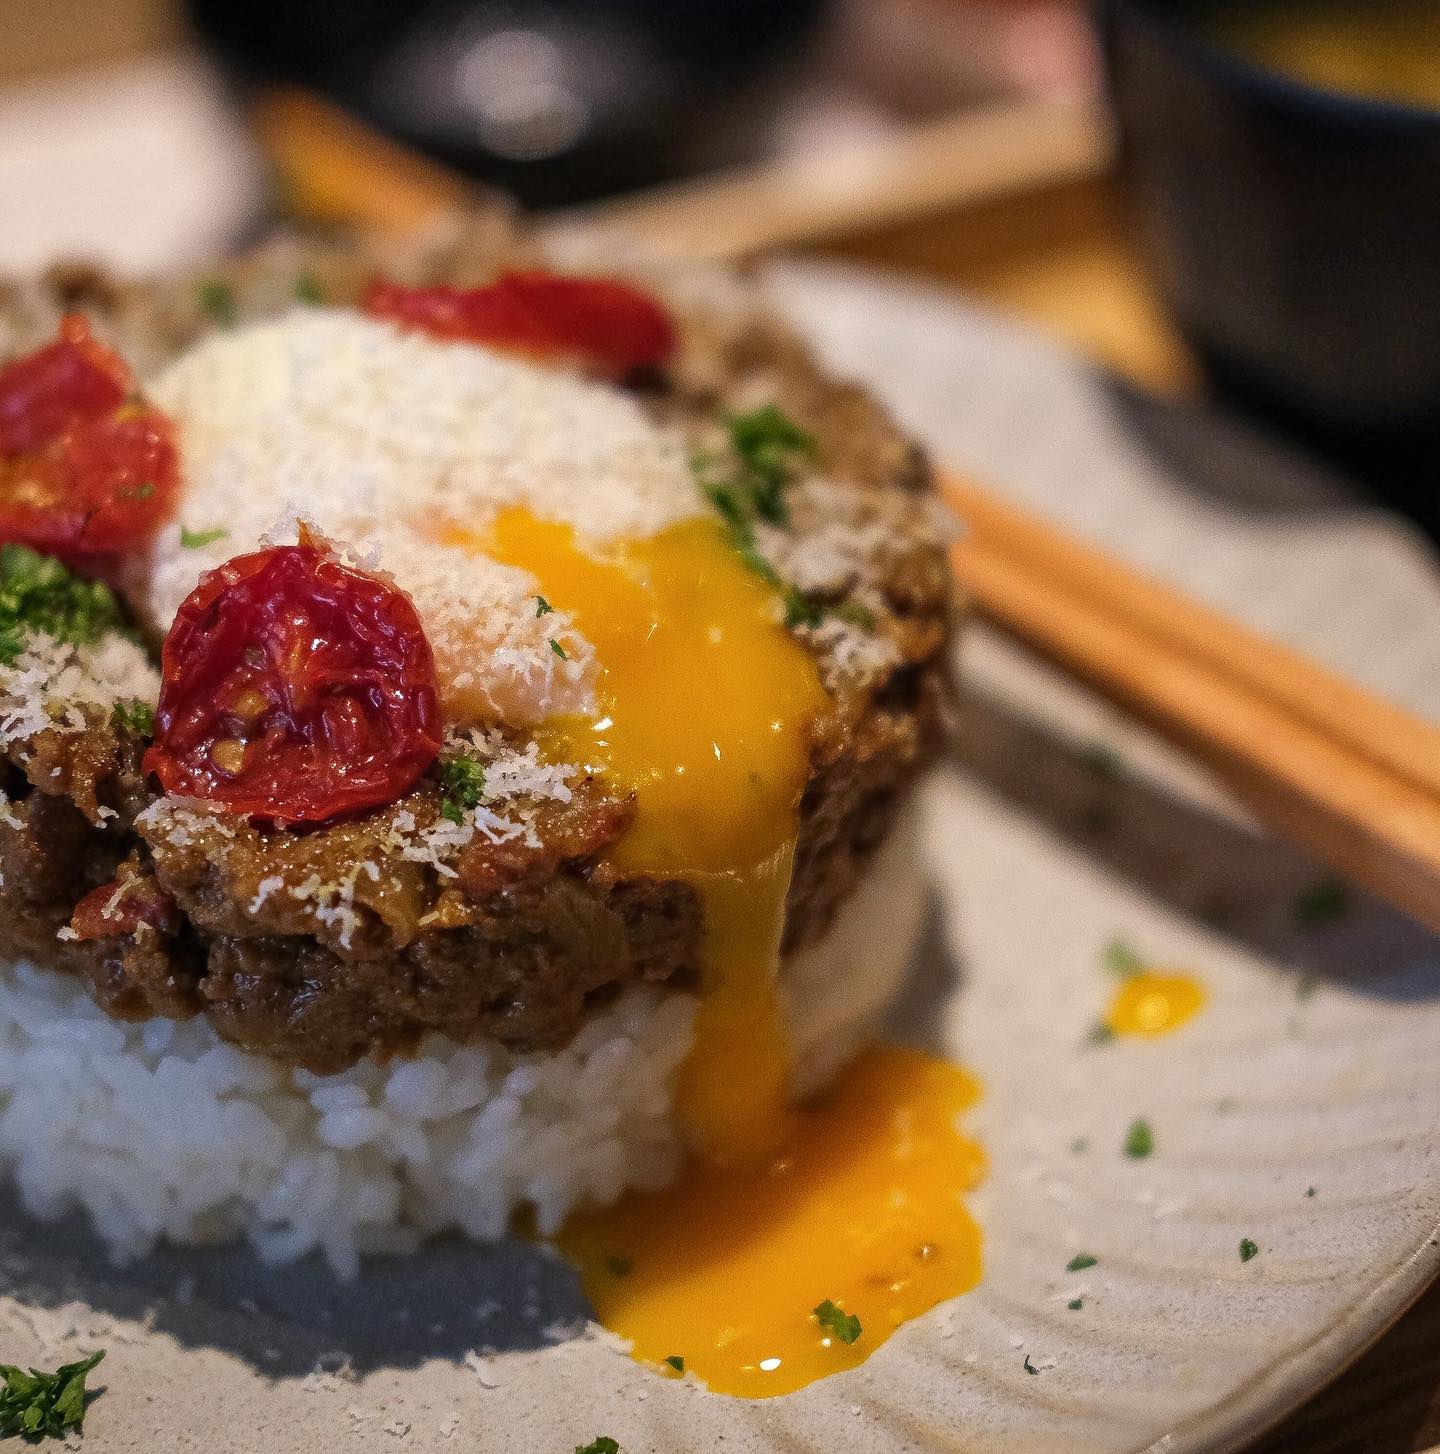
(163, 1132)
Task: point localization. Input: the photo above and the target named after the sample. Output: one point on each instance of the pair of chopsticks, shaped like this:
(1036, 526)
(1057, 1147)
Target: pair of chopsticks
(335, 168)
(1353, 778)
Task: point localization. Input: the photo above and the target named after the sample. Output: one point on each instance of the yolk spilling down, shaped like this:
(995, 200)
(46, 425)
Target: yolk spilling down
(706, 708)
(1154, 1004)
(861, 1206)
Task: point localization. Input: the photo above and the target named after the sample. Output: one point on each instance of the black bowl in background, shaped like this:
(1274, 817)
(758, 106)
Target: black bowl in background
(1296, 236)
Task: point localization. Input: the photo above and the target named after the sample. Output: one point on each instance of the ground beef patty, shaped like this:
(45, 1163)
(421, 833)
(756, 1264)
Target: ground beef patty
(322, 947)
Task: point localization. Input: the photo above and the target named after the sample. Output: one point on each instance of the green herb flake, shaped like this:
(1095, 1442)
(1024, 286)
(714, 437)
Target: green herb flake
(144, 491)
(308, 290)
(199, 539)
(1305, 986)
(1120, 958)
(854, 614)
(802, 610)
(845, 1327)
(215, 298)
(1079, 1146)
(1325, 901)
(1099, 1034)
(1075, 1304)
(542, 606)
(619, 1266)
(768, 445)
(1028, 1366)
(559, 650)
(38, 594)
(135, 716)
(38, 1405)
(604, 1444)
(749, 484)
(676, 1362)
(1309, 1191)
(462, 781)
(1139, 1140)
(1080, 1261)
(1248, 1249)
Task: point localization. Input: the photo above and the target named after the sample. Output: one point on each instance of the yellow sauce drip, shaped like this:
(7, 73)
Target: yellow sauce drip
(861, 1205)
(705, 708)
(1154, 1004)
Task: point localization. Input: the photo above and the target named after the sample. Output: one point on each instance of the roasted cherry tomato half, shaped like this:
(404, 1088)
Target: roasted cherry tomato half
(295, 690)
(606, 327)
(85, 470)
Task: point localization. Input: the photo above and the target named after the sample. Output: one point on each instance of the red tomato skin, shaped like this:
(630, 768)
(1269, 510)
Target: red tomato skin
(351, 715)
(606, 326)
(84, 474)
(41, 392)
(121, 907)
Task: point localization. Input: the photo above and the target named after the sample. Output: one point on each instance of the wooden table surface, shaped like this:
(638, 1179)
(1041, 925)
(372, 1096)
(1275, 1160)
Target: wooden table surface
(1064, 260)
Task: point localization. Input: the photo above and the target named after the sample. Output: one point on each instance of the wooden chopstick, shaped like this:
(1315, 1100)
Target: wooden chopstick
(336, 168)
(975, 156)
(1353, 778)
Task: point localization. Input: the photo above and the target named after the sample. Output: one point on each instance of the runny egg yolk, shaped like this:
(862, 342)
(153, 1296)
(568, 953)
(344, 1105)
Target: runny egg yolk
(861, 1206)
(1151, 1003)
(705, 708)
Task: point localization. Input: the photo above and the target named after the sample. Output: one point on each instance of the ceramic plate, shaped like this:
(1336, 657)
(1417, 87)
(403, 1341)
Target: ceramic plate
(1297, 1111)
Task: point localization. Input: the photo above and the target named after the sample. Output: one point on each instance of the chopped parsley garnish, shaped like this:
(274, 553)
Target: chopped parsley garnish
(198, 539)
(1079, 1146)
(308, 289)
(1028, 1366)
(768, 445)
(1121, 958)
(559, 650)
(1309, 1191)
(1075, 1304)
(854, 613)
(676, 1362)
(1100, 1034)
(618, 1266)
(37, 593)
(137, 492)
(462, 780)
(1139, 1140)
(542, 606)
(748, 485)
(216, 300)
(802, 610)
(1080, 1261)
(844, 1326)
(1326, 900)
(136, 716)
(1248, 1249)
(602, 1445)
(35, 1405)
(1305, 985)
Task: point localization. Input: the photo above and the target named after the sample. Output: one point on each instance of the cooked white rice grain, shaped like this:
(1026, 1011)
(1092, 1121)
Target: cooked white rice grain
(162, 1131)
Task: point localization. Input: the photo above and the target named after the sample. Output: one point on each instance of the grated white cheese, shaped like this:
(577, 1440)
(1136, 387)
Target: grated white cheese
(383, 440)
(52, 684)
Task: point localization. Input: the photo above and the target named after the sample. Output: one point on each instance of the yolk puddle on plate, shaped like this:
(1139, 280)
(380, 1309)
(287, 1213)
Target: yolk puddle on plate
(1151, 1003)
(705, 707)
(861, 1206)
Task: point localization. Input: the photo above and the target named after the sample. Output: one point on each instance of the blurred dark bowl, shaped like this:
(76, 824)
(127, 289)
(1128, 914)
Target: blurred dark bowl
(1296, 235)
